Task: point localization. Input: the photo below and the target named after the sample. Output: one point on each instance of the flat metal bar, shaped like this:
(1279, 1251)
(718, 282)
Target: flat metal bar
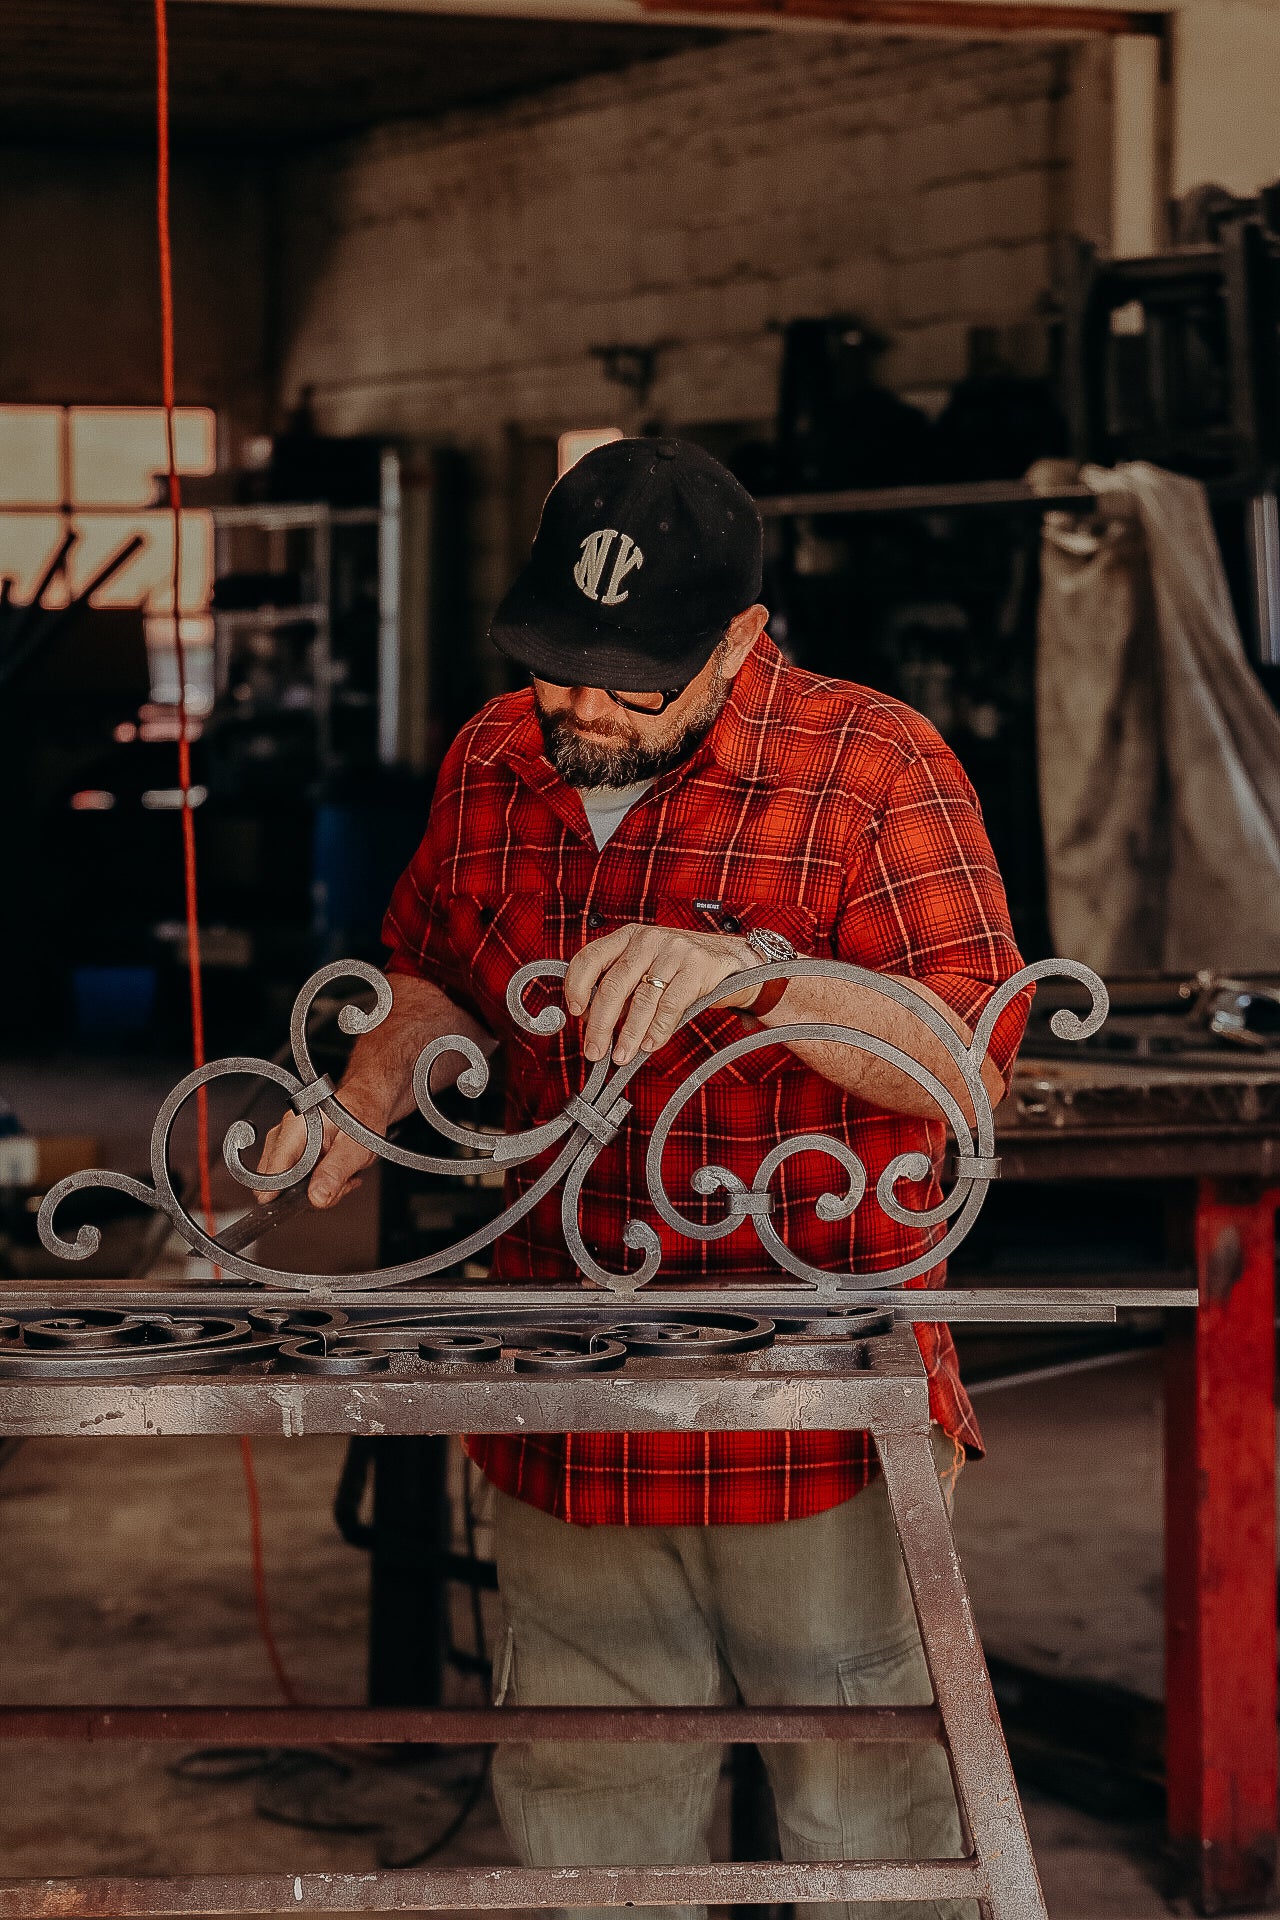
(1059, 19)
(445, 1889)
(1100, 1303)
(696, 1400)
(1220, 1559)
(462, 1726)
(257, 1220)
(1006, 494)
(1134, 1153)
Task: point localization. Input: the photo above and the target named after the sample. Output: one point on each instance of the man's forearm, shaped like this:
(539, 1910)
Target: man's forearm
(379, 1075)
(840, 1003)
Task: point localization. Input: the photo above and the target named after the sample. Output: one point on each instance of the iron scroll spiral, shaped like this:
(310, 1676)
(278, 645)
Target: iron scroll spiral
(589, 1121)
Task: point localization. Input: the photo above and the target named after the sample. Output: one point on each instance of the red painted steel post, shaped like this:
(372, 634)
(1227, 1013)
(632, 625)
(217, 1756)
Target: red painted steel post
(1220, 1556)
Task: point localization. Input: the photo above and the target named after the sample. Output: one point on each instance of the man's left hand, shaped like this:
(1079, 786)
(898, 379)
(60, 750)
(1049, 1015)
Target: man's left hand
(639, 982)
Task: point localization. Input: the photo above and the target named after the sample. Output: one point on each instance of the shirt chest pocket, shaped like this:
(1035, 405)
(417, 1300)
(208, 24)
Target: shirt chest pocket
(692, 1045)
(494, 934)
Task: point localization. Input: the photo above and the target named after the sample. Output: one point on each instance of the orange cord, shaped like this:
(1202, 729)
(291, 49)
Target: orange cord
(184, 779)
(261, 1607)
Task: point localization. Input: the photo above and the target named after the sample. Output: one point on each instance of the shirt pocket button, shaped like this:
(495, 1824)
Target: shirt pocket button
(731, 923)
(594, 921)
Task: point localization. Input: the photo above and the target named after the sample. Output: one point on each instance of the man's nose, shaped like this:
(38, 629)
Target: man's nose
(590, 705)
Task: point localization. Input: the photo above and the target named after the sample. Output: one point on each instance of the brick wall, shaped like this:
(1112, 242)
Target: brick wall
(447, 281)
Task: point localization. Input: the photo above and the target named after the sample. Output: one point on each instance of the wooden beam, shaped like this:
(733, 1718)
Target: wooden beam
(985, 18)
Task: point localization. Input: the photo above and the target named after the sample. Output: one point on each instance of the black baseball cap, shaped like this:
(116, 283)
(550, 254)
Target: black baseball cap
(645, 552)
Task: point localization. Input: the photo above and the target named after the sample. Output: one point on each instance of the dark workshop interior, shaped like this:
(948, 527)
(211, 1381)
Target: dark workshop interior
(306, 309)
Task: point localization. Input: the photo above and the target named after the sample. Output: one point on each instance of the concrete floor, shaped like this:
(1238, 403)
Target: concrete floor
(124, 1578)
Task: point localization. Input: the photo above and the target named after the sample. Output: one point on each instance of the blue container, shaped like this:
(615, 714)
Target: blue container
(113, 1003)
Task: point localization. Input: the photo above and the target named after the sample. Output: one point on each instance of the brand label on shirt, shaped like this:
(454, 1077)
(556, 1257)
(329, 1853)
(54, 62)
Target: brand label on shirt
(708, 906)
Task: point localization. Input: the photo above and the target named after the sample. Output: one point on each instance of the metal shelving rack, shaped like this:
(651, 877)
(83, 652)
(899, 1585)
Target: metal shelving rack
(321, 521)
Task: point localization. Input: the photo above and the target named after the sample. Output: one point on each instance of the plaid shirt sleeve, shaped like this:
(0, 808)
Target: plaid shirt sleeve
(416, 926)
(926, 899)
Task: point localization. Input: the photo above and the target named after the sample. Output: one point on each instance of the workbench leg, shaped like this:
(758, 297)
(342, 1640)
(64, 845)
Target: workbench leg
(990, 1810)
(1220, 1556)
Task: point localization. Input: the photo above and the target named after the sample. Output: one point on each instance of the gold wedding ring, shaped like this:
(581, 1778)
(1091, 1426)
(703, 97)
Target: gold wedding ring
(652, 980)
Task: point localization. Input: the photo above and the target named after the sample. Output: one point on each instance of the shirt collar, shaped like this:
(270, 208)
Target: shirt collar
(738, 743)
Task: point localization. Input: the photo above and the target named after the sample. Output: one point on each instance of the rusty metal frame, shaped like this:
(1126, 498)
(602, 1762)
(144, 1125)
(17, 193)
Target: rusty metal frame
(835, 1351)
(878, 1384)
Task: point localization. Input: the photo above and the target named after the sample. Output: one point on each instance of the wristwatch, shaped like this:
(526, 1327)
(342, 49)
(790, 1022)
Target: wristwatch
(773, 948)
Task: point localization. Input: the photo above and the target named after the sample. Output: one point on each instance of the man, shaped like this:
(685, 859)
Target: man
(666, 806)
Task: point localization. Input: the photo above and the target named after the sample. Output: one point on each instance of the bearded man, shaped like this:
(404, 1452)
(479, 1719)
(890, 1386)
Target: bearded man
(666, 805)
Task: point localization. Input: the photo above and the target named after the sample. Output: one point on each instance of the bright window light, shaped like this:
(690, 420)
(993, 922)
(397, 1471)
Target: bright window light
(92, 471)
(30, 456)
(116, 452)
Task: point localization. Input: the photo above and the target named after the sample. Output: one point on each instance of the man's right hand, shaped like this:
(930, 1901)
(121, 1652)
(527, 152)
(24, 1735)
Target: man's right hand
(341, 1162)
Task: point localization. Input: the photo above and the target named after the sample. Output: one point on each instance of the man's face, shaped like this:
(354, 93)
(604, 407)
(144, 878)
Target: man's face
(593, 742)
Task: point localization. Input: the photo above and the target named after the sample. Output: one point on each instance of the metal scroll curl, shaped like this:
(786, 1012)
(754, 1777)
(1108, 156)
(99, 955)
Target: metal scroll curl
(588, 1123)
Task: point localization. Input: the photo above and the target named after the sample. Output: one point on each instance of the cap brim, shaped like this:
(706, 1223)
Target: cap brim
(584, 652)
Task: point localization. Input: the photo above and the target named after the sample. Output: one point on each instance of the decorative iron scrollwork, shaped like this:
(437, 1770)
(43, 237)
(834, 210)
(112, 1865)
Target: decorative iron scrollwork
(96, 1343)
(589, 1121)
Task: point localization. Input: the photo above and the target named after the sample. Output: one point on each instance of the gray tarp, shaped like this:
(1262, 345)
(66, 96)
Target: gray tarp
(1159, 749)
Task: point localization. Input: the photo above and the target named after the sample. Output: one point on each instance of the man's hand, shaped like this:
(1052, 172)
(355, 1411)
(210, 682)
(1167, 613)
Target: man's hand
(377, 1088)
(639, 982)
(342, 1161)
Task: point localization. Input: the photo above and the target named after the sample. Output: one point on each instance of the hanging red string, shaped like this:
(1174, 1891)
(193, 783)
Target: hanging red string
(175, 508)
(190, 890)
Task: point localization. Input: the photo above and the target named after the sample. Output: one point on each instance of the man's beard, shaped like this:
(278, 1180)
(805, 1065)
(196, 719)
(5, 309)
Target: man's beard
(623, 760)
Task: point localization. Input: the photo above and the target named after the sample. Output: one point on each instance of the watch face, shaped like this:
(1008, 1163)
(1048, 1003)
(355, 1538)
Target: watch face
(772, 946)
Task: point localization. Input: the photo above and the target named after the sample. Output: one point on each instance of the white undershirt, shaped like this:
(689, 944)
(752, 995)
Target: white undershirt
(605, 807)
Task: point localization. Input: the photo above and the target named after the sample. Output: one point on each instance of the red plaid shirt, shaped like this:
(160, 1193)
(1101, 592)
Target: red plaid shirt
(835, 816)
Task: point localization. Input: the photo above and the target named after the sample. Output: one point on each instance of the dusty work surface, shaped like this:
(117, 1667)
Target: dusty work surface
(124, 1577)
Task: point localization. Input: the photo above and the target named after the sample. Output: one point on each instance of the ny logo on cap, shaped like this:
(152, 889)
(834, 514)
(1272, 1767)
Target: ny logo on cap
(595, 554)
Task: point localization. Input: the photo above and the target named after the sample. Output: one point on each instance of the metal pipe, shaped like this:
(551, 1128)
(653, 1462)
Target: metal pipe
(1007, 495)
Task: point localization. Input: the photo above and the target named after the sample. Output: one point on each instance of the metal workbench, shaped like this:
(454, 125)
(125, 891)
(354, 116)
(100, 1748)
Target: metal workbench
(405, 1352)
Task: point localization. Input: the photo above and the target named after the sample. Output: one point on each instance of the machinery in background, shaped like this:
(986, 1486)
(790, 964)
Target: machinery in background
(879, 569)
(1175, 359)
(901, 550)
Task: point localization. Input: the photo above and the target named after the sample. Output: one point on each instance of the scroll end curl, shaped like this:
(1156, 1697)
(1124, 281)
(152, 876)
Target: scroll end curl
(552, 1018)
(1065, 1024)
(87, 1241)
(241, 1135)
(88, 1238)
(471, 1082)
(351, 1019)
(712, 1179)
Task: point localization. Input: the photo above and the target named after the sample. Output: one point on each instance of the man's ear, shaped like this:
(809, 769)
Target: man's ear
(742, 633)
